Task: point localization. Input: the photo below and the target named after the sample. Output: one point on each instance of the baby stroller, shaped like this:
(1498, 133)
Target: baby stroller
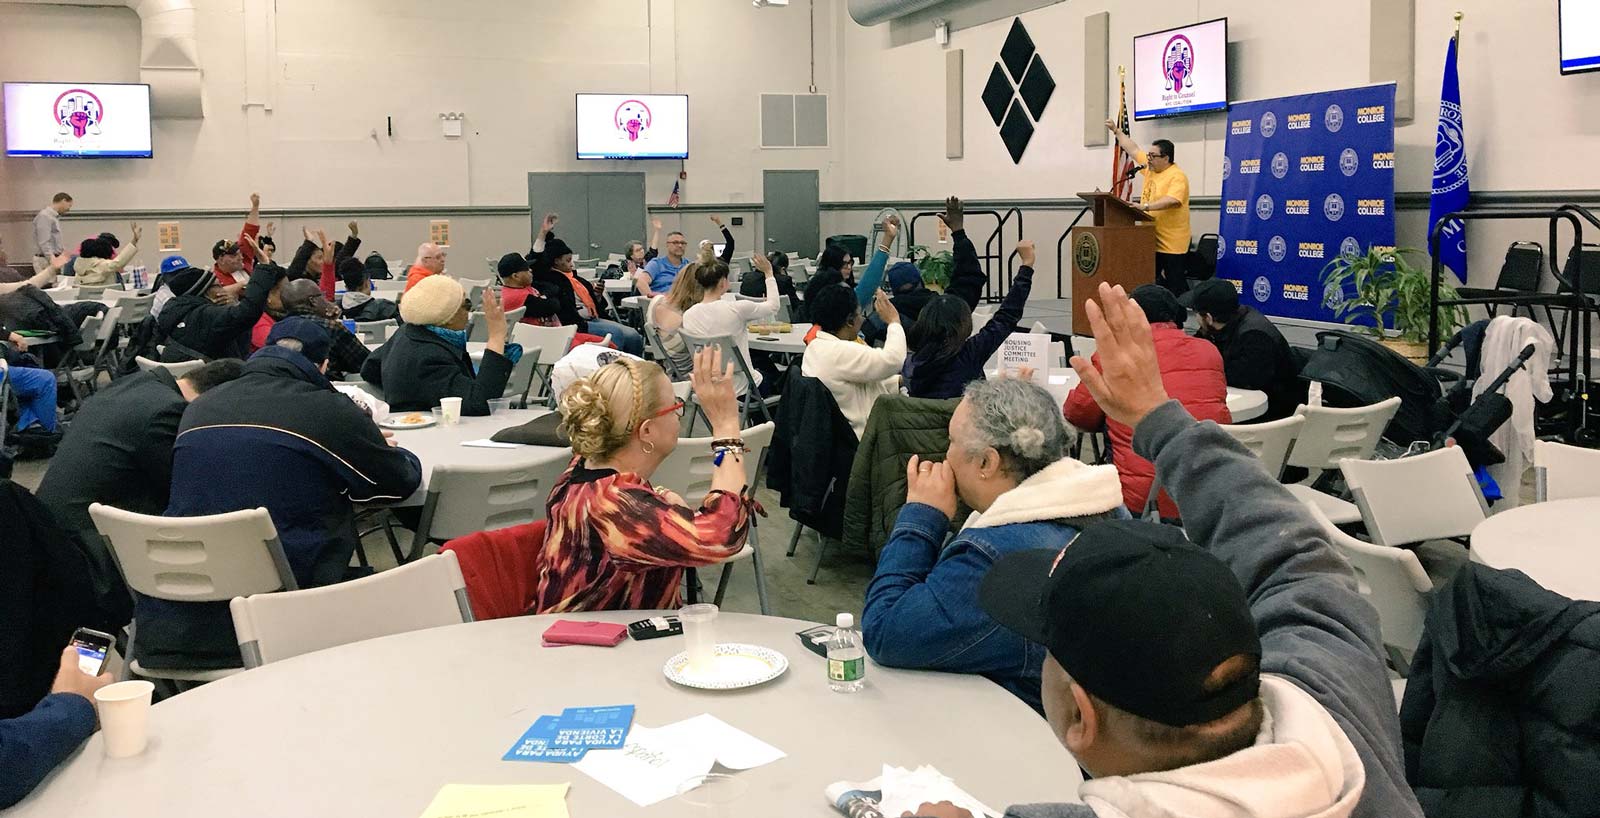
(1357, 371)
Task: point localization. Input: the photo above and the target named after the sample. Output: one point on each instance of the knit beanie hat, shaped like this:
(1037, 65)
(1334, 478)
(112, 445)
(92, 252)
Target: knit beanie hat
(432, 301)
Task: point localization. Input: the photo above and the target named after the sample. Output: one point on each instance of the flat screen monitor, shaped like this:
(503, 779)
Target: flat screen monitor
(1181, 70)
(77, 120)
(633, 126)
(1580, 36)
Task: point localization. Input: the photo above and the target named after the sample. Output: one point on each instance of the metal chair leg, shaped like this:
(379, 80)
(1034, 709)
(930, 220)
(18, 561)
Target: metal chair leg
(761, 577)
(822, 548)
(722, 584)
(794, 541)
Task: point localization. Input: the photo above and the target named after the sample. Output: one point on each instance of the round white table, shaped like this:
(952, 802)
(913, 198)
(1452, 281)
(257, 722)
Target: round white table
(792, 342)
(1553, 543)
(375, 728)
(441, 444)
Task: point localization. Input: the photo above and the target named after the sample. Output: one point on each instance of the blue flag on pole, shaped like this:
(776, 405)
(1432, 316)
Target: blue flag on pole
(1450, 188)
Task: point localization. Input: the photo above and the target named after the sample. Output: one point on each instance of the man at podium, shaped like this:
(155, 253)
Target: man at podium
(1166, 199)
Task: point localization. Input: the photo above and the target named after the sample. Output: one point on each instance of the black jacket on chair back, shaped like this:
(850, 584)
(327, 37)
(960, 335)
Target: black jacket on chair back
(812, 449)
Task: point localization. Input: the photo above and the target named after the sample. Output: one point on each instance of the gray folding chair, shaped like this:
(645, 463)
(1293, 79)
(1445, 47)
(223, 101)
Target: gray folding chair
(464, 500)
(374, 332)
(541, 348)
(752, 395)
(178, 369)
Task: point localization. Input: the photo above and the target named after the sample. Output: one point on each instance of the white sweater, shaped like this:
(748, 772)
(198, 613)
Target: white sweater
(728, 319)
(855, 373)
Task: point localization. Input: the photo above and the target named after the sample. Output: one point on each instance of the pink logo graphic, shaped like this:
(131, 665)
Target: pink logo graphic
(633, 118)
(1178, 64)
(79, 111)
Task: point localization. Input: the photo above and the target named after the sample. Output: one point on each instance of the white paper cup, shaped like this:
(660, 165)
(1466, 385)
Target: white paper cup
(451, 408)
(125, 716)
(699, 635)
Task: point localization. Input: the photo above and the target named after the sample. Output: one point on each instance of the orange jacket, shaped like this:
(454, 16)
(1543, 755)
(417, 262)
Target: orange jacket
(415, 274)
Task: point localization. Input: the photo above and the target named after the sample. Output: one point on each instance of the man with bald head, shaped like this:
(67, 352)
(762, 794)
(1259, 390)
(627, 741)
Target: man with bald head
(304, 297)
(430, 261)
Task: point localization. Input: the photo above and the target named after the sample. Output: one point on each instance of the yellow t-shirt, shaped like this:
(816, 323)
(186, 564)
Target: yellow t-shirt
(1172, 224)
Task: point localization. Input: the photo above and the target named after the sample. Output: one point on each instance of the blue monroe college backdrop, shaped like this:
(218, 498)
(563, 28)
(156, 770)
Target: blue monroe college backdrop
(1304, 179)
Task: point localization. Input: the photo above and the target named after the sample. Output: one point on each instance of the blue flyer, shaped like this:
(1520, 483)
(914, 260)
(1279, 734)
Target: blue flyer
(594, 727)
(537, 744)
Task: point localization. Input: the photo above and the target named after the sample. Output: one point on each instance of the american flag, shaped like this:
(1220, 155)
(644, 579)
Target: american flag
(1122, 162)
(672, 200)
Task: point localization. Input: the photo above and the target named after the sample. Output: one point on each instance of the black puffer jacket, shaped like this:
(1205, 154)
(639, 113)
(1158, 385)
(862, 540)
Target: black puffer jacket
(416, 368)
(1502, 709)
(213, 330)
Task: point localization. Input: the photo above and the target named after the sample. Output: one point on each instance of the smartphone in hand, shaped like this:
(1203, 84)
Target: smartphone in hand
(93, 646)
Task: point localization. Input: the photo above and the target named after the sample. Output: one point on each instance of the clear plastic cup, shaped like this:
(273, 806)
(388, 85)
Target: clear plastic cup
(699, 636)
(125, 716)
(451, 410)
(713, 793)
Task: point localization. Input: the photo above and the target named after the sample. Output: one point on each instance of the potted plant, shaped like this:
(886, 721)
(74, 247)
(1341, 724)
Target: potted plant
(1386, 281)
(935, 267)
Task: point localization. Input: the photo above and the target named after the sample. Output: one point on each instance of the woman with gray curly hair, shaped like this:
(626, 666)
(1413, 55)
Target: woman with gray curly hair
(1007, 461)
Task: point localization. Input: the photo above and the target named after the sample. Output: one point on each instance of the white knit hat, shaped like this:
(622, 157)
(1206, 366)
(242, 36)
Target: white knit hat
(432, 301)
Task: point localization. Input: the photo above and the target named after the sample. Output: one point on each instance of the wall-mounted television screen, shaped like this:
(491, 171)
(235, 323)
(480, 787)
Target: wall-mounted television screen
(77, 120)
(633, 126)
(1580, 36)
(1181, 70)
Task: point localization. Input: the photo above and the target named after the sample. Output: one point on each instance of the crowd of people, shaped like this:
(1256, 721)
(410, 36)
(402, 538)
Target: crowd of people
(1256, 685)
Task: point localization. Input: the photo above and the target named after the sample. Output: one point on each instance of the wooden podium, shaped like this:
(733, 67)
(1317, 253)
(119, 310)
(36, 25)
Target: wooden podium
(1119, 249)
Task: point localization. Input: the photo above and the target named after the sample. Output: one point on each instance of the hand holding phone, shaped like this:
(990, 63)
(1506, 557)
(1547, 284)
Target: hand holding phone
(92, 647)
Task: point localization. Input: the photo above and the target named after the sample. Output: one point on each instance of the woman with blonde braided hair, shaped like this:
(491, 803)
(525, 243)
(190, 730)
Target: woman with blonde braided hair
(615, 542)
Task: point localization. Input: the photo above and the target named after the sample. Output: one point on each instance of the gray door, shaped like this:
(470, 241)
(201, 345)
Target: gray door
(790, 216)
(616, 213)
(566, 194)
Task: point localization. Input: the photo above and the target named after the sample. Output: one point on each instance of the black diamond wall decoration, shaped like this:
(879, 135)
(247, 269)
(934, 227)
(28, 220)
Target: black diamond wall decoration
(1037, 86)
(997, 94)
(1016, 132)
(1018, 48)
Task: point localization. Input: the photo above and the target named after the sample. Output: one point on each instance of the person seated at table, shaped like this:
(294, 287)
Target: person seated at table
(946, 354)
(35, 743)
(615, 542)
(664, 269)
(195, 327)
(579, 304)
(230, 258)
(430, 262)
(1233, 671)
(100, 263)
(635, 255)
(836, 266)
(427, 359)
(516, 290)
(754, 283)
(281, 438)
(304, 298)
(358, 302)
(664, 313)
(855, 373)
(35, 389)
(1255, 355)
(715, 318)
(1008, 461)
(1191, 371)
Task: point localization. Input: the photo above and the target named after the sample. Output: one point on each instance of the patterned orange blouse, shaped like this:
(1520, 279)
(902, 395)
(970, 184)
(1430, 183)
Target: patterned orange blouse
(613, 543)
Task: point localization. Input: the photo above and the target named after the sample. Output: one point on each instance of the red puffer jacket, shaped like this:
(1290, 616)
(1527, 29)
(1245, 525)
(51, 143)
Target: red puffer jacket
(1191, 370)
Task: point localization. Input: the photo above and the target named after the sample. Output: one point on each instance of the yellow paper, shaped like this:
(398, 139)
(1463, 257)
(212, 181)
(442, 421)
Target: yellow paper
(499, 801)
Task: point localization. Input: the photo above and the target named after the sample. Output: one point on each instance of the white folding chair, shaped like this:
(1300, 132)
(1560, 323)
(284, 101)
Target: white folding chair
(62, 295)
(541, 348)
(687, 471)
(193, 559)
(1270, 441)
(178, 370)
(1393, 580)
(730, 352)
(1563, 472)
(1330, 435)
(374, 332)
(1432, 496)
(428, 593)
(466, 499)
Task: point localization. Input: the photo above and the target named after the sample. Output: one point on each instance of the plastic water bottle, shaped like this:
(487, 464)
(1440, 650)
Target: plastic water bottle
(847, 660)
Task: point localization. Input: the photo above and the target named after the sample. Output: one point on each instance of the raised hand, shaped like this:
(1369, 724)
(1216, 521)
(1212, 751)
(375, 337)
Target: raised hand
(271, 226)
(1111, 125)
(1026, 252)
(1128, 383)
(495, 314)
(762, 264)
(655, 224)
(255, 201)
(954, 215)
(885, 307)
(355, 229)
(549, 222)
(891, 227)
(712, 381)
(716, 220)
(137, 231)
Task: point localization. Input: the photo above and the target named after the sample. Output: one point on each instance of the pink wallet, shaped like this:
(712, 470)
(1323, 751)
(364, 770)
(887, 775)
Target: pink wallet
(570, 632)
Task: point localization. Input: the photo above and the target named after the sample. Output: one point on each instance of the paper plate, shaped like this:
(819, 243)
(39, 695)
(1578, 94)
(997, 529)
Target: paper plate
(737, 665)
(397, 421)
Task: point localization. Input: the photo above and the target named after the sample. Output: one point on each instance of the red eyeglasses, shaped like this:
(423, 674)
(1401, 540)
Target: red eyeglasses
(676, 408)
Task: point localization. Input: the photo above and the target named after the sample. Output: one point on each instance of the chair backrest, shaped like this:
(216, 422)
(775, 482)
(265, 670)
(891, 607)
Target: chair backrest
(1589, 254)
(468, 498)
(374, 332)
(1330, 434)
(134, 308)
(1412, 499)
(1392, 579)
(89, 330)
(178, 370)
(196, 559)
(501, 568)
(687, 470)
(1563, 472)
(534, 339)
(514, 317)
(62, 294)
(1270, 441)
(1521, 269)
(428, 593)
(744, 379)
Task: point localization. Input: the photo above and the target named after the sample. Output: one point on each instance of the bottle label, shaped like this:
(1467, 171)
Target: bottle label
(847, 670)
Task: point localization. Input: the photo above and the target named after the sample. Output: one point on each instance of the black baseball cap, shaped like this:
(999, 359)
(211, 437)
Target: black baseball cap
(223, 247)
(313, 337)
(1136, 615)
(511, 264)
(1214, 296)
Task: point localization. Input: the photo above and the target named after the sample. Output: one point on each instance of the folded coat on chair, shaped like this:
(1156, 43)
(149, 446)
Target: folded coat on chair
(898, 428)
(813, 447)
(501, 568)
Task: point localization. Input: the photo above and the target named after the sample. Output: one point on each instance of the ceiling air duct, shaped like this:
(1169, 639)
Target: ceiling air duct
(873, 12)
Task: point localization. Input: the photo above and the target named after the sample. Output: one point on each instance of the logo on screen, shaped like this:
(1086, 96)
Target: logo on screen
(1277, 249)
(1269, 124)
(79, 112)
(1349, 162)
(1264, 207)
(1261, 289)
(1333, 207)
(1178, 65)
(1227, 168)
(1280, 165)
(1350, 247)
(633, 119)
(1333, 118)
(1450, 152)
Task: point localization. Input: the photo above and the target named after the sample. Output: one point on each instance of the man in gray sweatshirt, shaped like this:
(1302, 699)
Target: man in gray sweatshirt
(1240, 674)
